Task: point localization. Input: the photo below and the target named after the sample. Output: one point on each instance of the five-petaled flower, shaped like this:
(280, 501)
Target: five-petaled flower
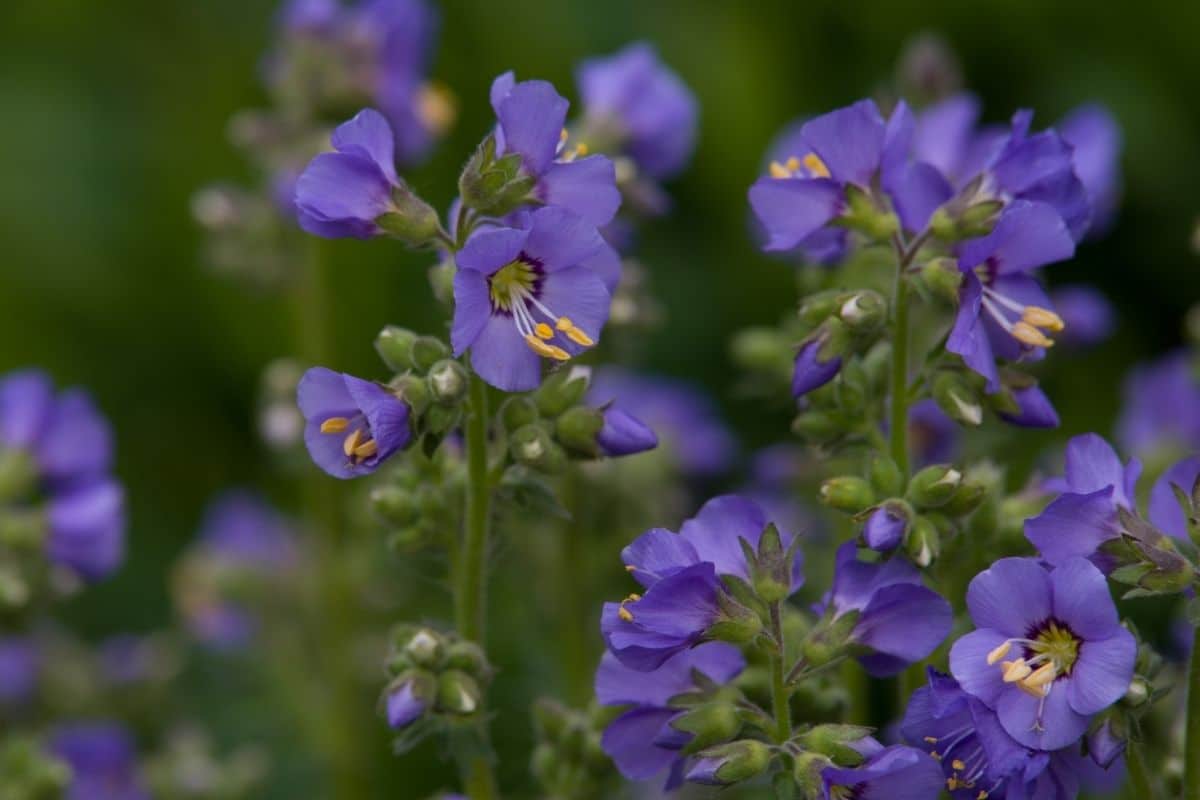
(351, 425)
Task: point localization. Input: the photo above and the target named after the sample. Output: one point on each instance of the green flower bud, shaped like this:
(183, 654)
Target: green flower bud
(533, 447)
(958, 399)
(517, 412)
(731, 763)
(847, 493)
(441, 280)
(494, 186)
(942, 278)
(924, 542)
(394, 505)
(1137, 694)
(771, 571)
(394, 345)
(458, 693)
(448, 382)
(886, 477)
(864, 312)
(441, 419)
(836, 742)
(469, 658)
(934, 486)
(413, 390)
(425, 648)
(427, 351)
(806, 771)
(817, 427)
(969, 497)
(562, 390)
(735, 623)
(709, 724)
(577, 429)
(980, 218)
(863, 215)
(818, 307)
(411, 220)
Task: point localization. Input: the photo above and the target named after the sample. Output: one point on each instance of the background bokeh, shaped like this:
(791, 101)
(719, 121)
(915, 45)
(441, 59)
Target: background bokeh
(113, 113)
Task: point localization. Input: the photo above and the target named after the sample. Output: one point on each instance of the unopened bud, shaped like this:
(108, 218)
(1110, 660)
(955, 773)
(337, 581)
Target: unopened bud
(562, 390)
(709, 724)
(448, 382)
(847, 493)
(818, 307)
(943, 279)
(458, 692)
(394, 345)
(731, 763)
(864, 312)
(886, 477)
(467, 657)
(885, 528)
(934, 486)
(427, 351)
(534, 447)
(958, 399)
(1137, 693)
(494, 186)
(517, 412)
(836, 741)
(411, 219)
(577, 428)
(412, 390)
(924, 542)
(424, 648)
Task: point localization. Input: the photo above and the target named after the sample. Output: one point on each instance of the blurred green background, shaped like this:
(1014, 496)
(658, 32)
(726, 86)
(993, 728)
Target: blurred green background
(113, 113)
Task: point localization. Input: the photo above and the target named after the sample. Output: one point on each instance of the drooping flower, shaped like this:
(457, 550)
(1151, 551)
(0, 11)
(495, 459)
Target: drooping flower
(68, 445)
(849, 147)
(404, 706)
(681, 573)
(524, 294)
(632, 98)
(1095, 140)
(1084, 515)
(103, 761)
(624, 434)
(933, 436)
(351, 425)
(898, 620)
(685, 420)
(243, 546)
(898, 772)
(1087, 314)
(884, 529)
(344, 193)
(641, 741)
(1048, 651)
(19, 667)
(1003, 312)
(1161, 407)
(531, 116)
(813, 370)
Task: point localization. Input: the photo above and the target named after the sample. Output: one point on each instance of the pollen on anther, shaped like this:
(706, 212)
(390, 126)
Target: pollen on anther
(625, 614)
(958, 764)
(335, 425)
(814, 164)
(998, 653)
(544, 331)
(352, 442)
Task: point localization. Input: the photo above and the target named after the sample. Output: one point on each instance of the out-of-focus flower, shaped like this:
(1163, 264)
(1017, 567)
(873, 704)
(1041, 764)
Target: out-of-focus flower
(351, 426)
(1095, 139)
(1087, 314)
(624, 434)
(1161, 408)
(1048, 651)
(103, 761)
(19, 667)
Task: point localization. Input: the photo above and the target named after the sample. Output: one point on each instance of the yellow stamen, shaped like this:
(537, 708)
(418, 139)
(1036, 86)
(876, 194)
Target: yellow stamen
(931, 739)
(779, 170)
(1027, 334)
(366, 449)
(935, 755)
(1043, 675)
(1015, 670)
(633, 597)
(1043, 318)
(958, 765)
(335, 425)
(352, 442)
(998, 653)
(546, 350)
(816, 166)
(581, 149)
(952, 783)
(625, 614)
(562, 135)
(792, 164)
(574, 334)
(630, 568)
(544, 331)
(982, 795)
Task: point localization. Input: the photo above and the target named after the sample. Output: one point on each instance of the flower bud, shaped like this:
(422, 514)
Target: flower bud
(864, 312)
(411, 219)
(409, 697)
(847, 493)
(886, 526)
(448, 382)
(394, 345)
(467, 657)
(427, 351)
(816, 427)
(424, 648)
(819, 358)
(518, 411)
(731, 763)
(709, 724)
(979, 218)
(1137, 693)
(494, 186)
(934, 486)
(806, 771)
(458, 692)
(1104, 745)
(942, 278)
(735, 623)
(924, 542)
(412, 390)
(968, 498)
(577, 428)
(533, 447)
(957, 398)
(863, 215)
(771, 566)
(819, 306)
(624, 434)
(836, 741)
(885, 475)
(562, 390)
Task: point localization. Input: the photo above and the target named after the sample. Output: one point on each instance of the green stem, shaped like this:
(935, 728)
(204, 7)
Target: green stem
(1191, 751)
(899, 382)
(779, 688)
(470, 608)
(1139, 777)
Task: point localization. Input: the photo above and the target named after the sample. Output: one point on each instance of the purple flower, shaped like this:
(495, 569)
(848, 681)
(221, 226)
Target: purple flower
(1048, 651)
(1163, 508)
(1003, 312)
(20, 663)
(103, 761)
(1161, 408)
(87, 529)
(827, 245)
(623, 434)
(641, 741)
(1034, 409)
(892, 773)
(1084, 515)
(1087, 314)
(851, 146)
(342, 194)
(885, 528)
(404, 707)
(1095, 139)
(308, 16)
(685, 419)
(811, 370)
(531, 116)
(899, 620)
(681, 574)
(242, 529)
(932, 435)
(632, 96)
(524, 294)
(351, 425)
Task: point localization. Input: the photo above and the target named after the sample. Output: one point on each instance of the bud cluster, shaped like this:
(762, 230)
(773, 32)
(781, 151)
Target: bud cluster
(568, 760)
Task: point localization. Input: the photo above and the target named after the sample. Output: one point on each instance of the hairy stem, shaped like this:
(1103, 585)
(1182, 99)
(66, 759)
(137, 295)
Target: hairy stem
(779, 688)
(1139, 777)
(1191, 747)
(899, 382)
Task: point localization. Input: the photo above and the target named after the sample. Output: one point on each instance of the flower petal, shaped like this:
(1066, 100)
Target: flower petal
(1011, 596)
(1102, 674)
(791, 209)
(587, 186)
(968, 664)
(1083, 601)
(716, 529)
(489, 249)
(1164, 509)
(1043, 725)
(1073, 525)
(657, 553)
(560, 238)
(369, 135)
(532, 115)
(849, 141)
(500, 355)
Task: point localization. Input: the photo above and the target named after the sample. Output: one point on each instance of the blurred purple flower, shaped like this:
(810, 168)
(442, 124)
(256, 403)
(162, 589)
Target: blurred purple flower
(103, 761)
(1088, 315)
(1161, 406)
(1095, 138)
(20, 664)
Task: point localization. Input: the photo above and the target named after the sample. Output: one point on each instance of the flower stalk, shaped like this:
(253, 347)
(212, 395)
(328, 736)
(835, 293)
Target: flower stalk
(1191, 752)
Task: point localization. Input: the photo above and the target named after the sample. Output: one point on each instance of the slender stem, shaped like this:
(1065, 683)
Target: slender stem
(1191, 751)
(470, 607)
(899, 382)
(1139, 777)
(471, 597)
(779, 688)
